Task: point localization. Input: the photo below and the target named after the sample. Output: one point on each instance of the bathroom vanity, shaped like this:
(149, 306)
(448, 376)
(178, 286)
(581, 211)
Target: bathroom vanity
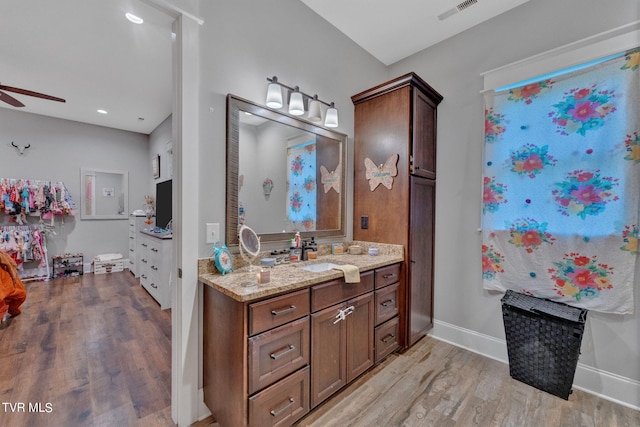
(273, 352)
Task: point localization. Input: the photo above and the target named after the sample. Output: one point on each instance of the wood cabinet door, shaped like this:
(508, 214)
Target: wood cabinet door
(328, 353)
(360, 324)
(420, 271)
(423, 147)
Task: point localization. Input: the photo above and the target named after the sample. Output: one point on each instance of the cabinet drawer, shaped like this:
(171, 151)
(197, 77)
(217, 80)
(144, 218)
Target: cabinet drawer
(386, 339)
(277, 311)
(335, 291)
(283, 403)
(387, 275)
(277, 353)
(386, 303)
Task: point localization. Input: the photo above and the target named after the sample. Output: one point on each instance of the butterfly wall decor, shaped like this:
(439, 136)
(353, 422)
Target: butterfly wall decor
(330, 179)
(382, 174)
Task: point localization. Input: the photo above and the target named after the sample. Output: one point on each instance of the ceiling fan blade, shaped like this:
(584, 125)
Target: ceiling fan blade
(10, 100)
(31, 93)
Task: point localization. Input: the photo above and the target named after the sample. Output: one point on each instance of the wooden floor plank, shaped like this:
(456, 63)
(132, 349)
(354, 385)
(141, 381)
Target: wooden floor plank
(97, 348)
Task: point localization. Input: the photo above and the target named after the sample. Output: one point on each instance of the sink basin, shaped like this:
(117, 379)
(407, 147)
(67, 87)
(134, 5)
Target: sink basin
(320, 267)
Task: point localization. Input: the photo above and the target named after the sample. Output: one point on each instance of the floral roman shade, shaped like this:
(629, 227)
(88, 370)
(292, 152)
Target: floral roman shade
(561, 187)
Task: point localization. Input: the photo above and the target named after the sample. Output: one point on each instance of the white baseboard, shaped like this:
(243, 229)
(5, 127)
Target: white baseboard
(203, 411)
(606, 385)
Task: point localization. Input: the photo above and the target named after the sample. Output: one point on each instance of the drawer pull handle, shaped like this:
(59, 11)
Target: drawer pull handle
(283, 311)
(388, 276)
(131, 237)
(387, 303)
(154, 249)
(154, 286)
(388, 338)
(144, 244)
(144, 260)
(153, 267)
(276, 356)
(276, 412)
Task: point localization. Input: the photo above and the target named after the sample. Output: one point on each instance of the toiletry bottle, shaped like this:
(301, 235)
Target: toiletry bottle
(297, 238)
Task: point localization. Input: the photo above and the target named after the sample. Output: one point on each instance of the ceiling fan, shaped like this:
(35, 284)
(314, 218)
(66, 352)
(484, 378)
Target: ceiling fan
(14, 102)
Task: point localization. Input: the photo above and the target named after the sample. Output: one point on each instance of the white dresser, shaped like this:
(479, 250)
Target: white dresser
(136, 224)
(154, 263)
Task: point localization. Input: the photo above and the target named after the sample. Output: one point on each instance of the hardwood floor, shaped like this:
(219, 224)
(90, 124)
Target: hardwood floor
(95, 350)
(441, 385)
(92, 350)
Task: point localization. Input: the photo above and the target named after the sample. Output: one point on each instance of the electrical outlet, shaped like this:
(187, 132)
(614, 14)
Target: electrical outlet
(213, 232)
(364, 222)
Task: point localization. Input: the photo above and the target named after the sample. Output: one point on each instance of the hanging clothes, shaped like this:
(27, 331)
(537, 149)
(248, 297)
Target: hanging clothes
(21, 197)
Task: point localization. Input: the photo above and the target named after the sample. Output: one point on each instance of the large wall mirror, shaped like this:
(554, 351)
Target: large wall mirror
(104, 194)
(284, 175)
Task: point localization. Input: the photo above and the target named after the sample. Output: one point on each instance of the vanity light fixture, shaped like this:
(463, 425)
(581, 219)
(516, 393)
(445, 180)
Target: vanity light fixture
(315, 115)
(133, 18)
(331, 119)
(274, 94)
(297, 102)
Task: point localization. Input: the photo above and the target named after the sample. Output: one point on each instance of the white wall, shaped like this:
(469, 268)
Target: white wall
(465, 312)
(59, 148)
(161, 143)
(242, 43)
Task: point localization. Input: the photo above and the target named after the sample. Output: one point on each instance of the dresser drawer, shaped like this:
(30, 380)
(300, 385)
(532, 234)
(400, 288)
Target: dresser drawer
(386, 339)
(335, 291)
(277, 311)
(387, 275)
(386, 303)
(277, 353)
(283, 403)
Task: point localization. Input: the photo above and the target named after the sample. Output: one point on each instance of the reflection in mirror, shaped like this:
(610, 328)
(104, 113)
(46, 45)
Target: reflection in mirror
(283, 175)
(104, 194)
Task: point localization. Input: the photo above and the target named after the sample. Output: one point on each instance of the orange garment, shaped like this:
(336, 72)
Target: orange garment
(12, 291)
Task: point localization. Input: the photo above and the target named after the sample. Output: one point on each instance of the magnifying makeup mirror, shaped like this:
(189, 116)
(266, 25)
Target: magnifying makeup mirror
(249, 243)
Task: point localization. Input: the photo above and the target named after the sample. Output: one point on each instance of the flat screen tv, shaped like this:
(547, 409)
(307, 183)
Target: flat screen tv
(163, 204)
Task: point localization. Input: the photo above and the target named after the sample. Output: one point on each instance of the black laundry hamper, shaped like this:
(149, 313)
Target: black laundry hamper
(543, 341)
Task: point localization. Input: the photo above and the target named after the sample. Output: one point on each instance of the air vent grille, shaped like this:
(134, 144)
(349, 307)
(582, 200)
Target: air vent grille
(465, 4)
(459, 8)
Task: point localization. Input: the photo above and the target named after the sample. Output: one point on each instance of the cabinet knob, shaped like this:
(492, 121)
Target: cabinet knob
(387, 303)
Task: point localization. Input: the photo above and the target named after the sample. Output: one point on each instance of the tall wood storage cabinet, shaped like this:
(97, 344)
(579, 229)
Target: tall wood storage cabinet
(399, 117)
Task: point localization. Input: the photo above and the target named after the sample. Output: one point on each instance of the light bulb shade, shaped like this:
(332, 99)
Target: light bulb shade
(314, 111)
(296, 104)
(274, 96)
(331, 119)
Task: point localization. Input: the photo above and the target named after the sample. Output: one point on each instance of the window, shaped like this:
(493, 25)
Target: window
(561, 185)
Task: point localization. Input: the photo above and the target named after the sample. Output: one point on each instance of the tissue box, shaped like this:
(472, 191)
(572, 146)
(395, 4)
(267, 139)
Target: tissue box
(108, 263)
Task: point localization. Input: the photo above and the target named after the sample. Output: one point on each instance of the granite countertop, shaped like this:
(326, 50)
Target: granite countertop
(290, 277)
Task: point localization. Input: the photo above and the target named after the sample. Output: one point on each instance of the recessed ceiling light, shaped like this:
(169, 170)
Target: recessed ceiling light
(133, 18)
(102, 111)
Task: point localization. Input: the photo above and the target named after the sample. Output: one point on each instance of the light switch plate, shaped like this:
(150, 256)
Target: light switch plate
(213, 232)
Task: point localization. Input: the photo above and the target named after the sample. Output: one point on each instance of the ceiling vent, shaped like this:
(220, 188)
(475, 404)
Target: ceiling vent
(458, 8)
